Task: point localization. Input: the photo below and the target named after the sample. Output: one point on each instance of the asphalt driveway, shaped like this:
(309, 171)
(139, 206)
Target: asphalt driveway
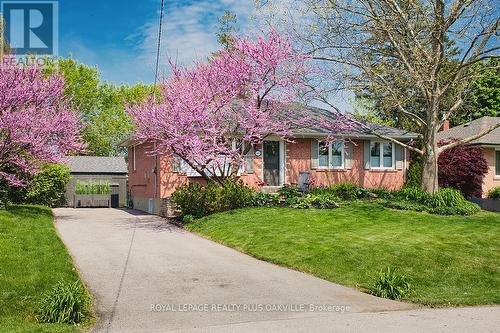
(149, 276)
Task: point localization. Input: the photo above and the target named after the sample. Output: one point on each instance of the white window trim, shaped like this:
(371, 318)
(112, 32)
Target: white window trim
(342, 158)
(381, 164)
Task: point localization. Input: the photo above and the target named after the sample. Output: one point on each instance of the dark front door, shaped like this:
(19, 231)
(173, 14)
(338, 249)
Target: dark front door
(115, 197)
(271, 163)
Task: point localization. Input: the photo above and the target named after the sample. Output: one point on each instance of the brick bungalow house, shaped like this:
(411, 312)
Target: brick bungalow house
(490, 144)
(361, 158)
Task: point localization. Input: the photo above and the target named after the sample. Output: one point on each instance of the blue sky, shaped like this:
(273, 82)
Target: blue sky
(119, 36)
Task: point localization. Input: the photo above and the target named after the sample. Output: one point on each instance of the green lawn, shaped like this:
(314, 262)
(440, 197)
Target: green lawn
(450, 260)
(32, 260)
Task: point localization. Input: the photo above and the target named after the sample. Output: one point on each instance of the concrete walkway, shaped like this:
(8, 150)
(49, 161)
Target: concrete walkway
(149, 276)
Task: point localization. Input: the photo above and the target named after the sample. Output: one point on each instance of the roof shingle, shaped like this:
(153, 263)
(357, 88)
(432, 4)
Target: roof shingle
(473, 128)
(96, 164)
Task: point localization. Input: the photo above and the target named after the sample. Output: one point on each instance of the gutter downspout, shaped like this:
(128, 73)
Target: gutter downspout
(405, 171)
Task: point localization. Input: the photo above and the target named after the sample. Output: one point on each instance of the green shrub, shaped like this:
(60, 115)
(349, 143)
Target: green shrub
(320, 201)
(66, 303)
(446, 201)
(263, 199)
(196, 200)
(289, 191)
(344, 191)
(45, 188)
(494, 193)
(188, 218)
(325, 201)
(414, 175)
(390, 284)
(382, 193)
(92, 187)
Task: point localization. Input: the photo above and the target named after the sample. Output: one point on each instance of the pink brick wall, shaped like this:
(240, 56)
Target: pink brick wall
(490, 180)
(298, 159)
(141, 180)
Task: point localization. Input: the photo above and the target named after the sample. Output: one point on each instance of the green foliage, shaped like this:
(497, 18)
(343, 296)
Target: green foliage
(101, 105)
(46, 188)
(484, 95)
(344, 191)
(65, 303)
(414, 175)
(289, 191)
(188, 218)
(320, 201)
(443, 256)
(228, 27)
(381, 193)
(196, 200)
(446, 201)
(390, 284)
(263, 199)
(91, 187)
(494, 193)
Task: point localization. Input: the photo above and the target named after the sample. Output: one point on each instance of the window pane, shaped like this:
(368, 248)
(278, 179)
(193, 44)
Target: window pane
(497, 163)
(388, 155)
(375, 155)
(337, 154)
(323, 154)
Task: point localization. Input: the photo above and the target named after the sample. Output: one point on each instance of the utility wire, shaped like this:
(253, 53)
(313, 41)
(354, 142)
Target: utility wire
(159, 44)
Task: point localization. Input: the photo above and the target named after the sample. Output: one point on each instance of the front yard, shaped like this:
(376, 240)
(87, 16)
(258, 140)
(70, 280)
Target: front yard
(450, 260)
(32, 261)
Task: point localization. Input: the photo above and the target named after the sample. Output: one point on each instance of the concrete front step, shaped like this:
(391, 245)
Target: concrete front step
(271, 189)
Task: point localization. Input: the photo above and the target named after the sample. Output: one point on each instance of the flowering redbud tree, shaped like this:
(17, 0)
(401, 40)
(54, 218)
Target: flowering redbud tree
(211, 115)
(36, 124)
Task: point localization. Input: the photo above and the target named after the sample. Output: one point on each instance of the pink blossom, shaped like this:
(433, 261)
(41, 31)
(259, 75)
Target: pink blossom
(36, 124)
(211, 114)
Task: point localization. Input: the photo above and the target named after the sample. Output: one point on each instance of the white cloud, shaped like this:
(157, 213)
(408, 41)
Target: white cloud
(188, 32)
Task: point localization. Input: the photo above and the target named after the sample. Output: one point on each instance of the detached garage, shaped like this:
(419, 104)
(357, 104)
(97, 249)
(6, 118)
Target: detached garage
(98, 170)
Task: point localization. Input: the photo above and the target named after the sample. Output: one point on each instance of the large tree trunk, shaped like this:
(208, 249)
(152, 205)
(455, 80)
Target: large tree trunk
(430, 161)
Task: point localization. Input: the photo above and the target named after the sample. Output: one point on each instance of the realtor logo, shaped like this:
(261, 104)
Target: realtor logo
(31, 27)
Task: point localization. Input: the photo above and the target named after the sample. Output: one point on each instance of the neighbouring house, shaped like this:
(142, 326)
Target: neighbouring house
(112, 170)
(361, 158)
(490, 144)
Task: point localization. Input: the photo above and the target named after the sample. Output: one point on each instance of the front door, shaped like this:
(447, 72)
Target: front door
(115, 196)
(271, 163)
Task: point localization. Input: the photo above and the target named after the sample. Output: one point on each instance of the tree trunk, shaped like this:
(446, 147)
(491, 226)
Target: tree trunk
(430, 164)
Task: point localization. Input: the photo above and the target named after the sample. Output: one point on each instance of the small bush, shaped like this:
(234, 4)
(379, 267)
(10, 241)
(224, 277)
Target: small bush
(414, 175)
(464, 168)
(198, 201)
(344, 191)
(446, 201)
(187, 218)
(263, 199)
(190, 199)
(289, 191)
(322, 201)
(494, 193)
(45, 188)
(65, 303)
(390, 284)
(382, 193)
